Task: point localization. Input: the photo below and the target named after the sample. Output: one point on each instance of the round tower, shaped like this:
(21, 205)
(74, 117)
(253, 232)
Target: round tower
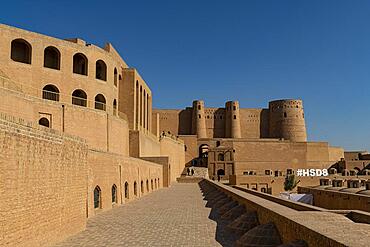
(232, 125)
(287, 120)
(199, 119)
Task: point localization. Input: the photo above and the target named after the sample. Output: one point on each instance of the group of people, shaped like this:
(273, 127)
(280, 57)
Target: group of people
(190, 172)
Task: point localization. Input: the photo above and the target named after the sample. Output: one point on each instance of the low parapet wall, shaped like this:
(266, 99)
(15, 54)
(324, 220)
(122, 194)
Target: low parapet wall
(337, 200)
(299, 206)
(315, 228)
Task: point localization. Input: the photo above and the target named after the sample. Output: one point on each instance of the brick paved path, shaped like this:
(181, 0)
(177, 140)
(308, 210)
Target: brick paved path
(174, 216)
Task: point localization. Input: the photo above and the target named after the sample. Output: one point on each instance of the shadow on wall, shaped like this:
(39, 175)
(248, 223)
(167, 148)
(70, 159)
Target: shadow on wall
(185, 122)
(238, 225)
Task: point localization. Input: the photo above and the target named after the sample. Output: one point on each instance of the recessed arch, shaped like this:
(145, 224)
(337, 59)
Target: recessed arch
(100, 102)
(50, 92)
(147, 185)
(80, 63)
(79, 97)
(151, 184)
(114, 107)
(44, 122)
(115, 76)
(21, 51)
(127, 190)
(52, 58)
(142, 187)
(101, 70)
(97, 197)
(114, 193)
(135, 188)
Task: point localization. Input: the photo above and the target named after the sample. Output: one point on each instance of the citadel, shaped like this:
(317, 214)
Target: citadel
(79, 136)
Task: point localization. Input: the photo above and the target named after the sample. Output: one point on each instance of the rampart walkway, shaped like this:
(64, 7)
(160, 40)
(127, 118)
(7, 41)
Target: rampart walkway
(175, 216)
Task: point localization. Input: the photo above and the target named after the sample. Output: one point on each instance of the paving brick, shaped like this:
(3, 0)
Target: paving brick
(174, 216)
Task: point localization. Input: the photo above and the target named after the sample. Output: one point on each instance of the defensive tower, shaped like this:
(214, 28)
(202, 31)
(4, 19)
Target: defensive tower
(199, 120)
(287, 120)
(232, 125)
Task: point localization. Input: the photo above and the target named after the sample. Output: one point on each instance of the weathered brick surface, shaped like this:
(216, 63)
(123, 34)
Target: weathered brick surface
(42, 183)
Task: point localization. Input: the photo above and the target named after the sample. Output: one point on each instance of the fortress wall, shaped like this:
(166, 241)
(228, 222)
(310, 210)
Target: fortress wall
(250, 121)
(164, 162)
(191, 144)
(175, 150)
(185, 121)
(142, 145)
(337, 200)
(127, 96)
(132, 101)
(336, 153)
(255, 155)
(101, 131)
(275, 184)
(43, 179)
(35, 76)
(169, 121)
(287, 120)
(280, 155)
(215, 122)
(106, 170)
(321, 155)
(254, 123)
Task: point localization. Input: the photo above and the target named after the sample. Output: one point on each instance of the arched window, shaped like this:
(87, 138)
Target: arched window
(114, 107)
(234, 116)
(100, 102)
(142, 187)
(21, 51)
(79, 97)
(285, 115)
(44, 122)
(126, 190)
(135, 188)
(147, 185)
(101, 70)
(50, 92)
(51, 58)
(221, 157)
(151, 184)
(114, 193)
(97, 197)
(115, 77)
(80, 64)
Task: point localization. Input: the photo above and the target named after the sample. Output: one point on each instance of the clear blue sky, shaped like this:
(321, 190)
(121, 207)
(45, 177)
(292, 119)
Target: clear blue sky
(252, 51)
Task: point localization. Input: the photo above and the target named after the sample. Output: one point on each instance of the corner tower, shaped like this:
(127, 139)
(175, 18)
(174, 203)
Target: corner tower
(287, 120)
(232, 125)
(199, 119)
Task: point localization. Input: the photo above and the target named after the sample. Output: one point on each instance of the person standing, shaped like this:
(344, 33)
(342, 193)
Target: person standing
(188, 171)
(192, 172)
